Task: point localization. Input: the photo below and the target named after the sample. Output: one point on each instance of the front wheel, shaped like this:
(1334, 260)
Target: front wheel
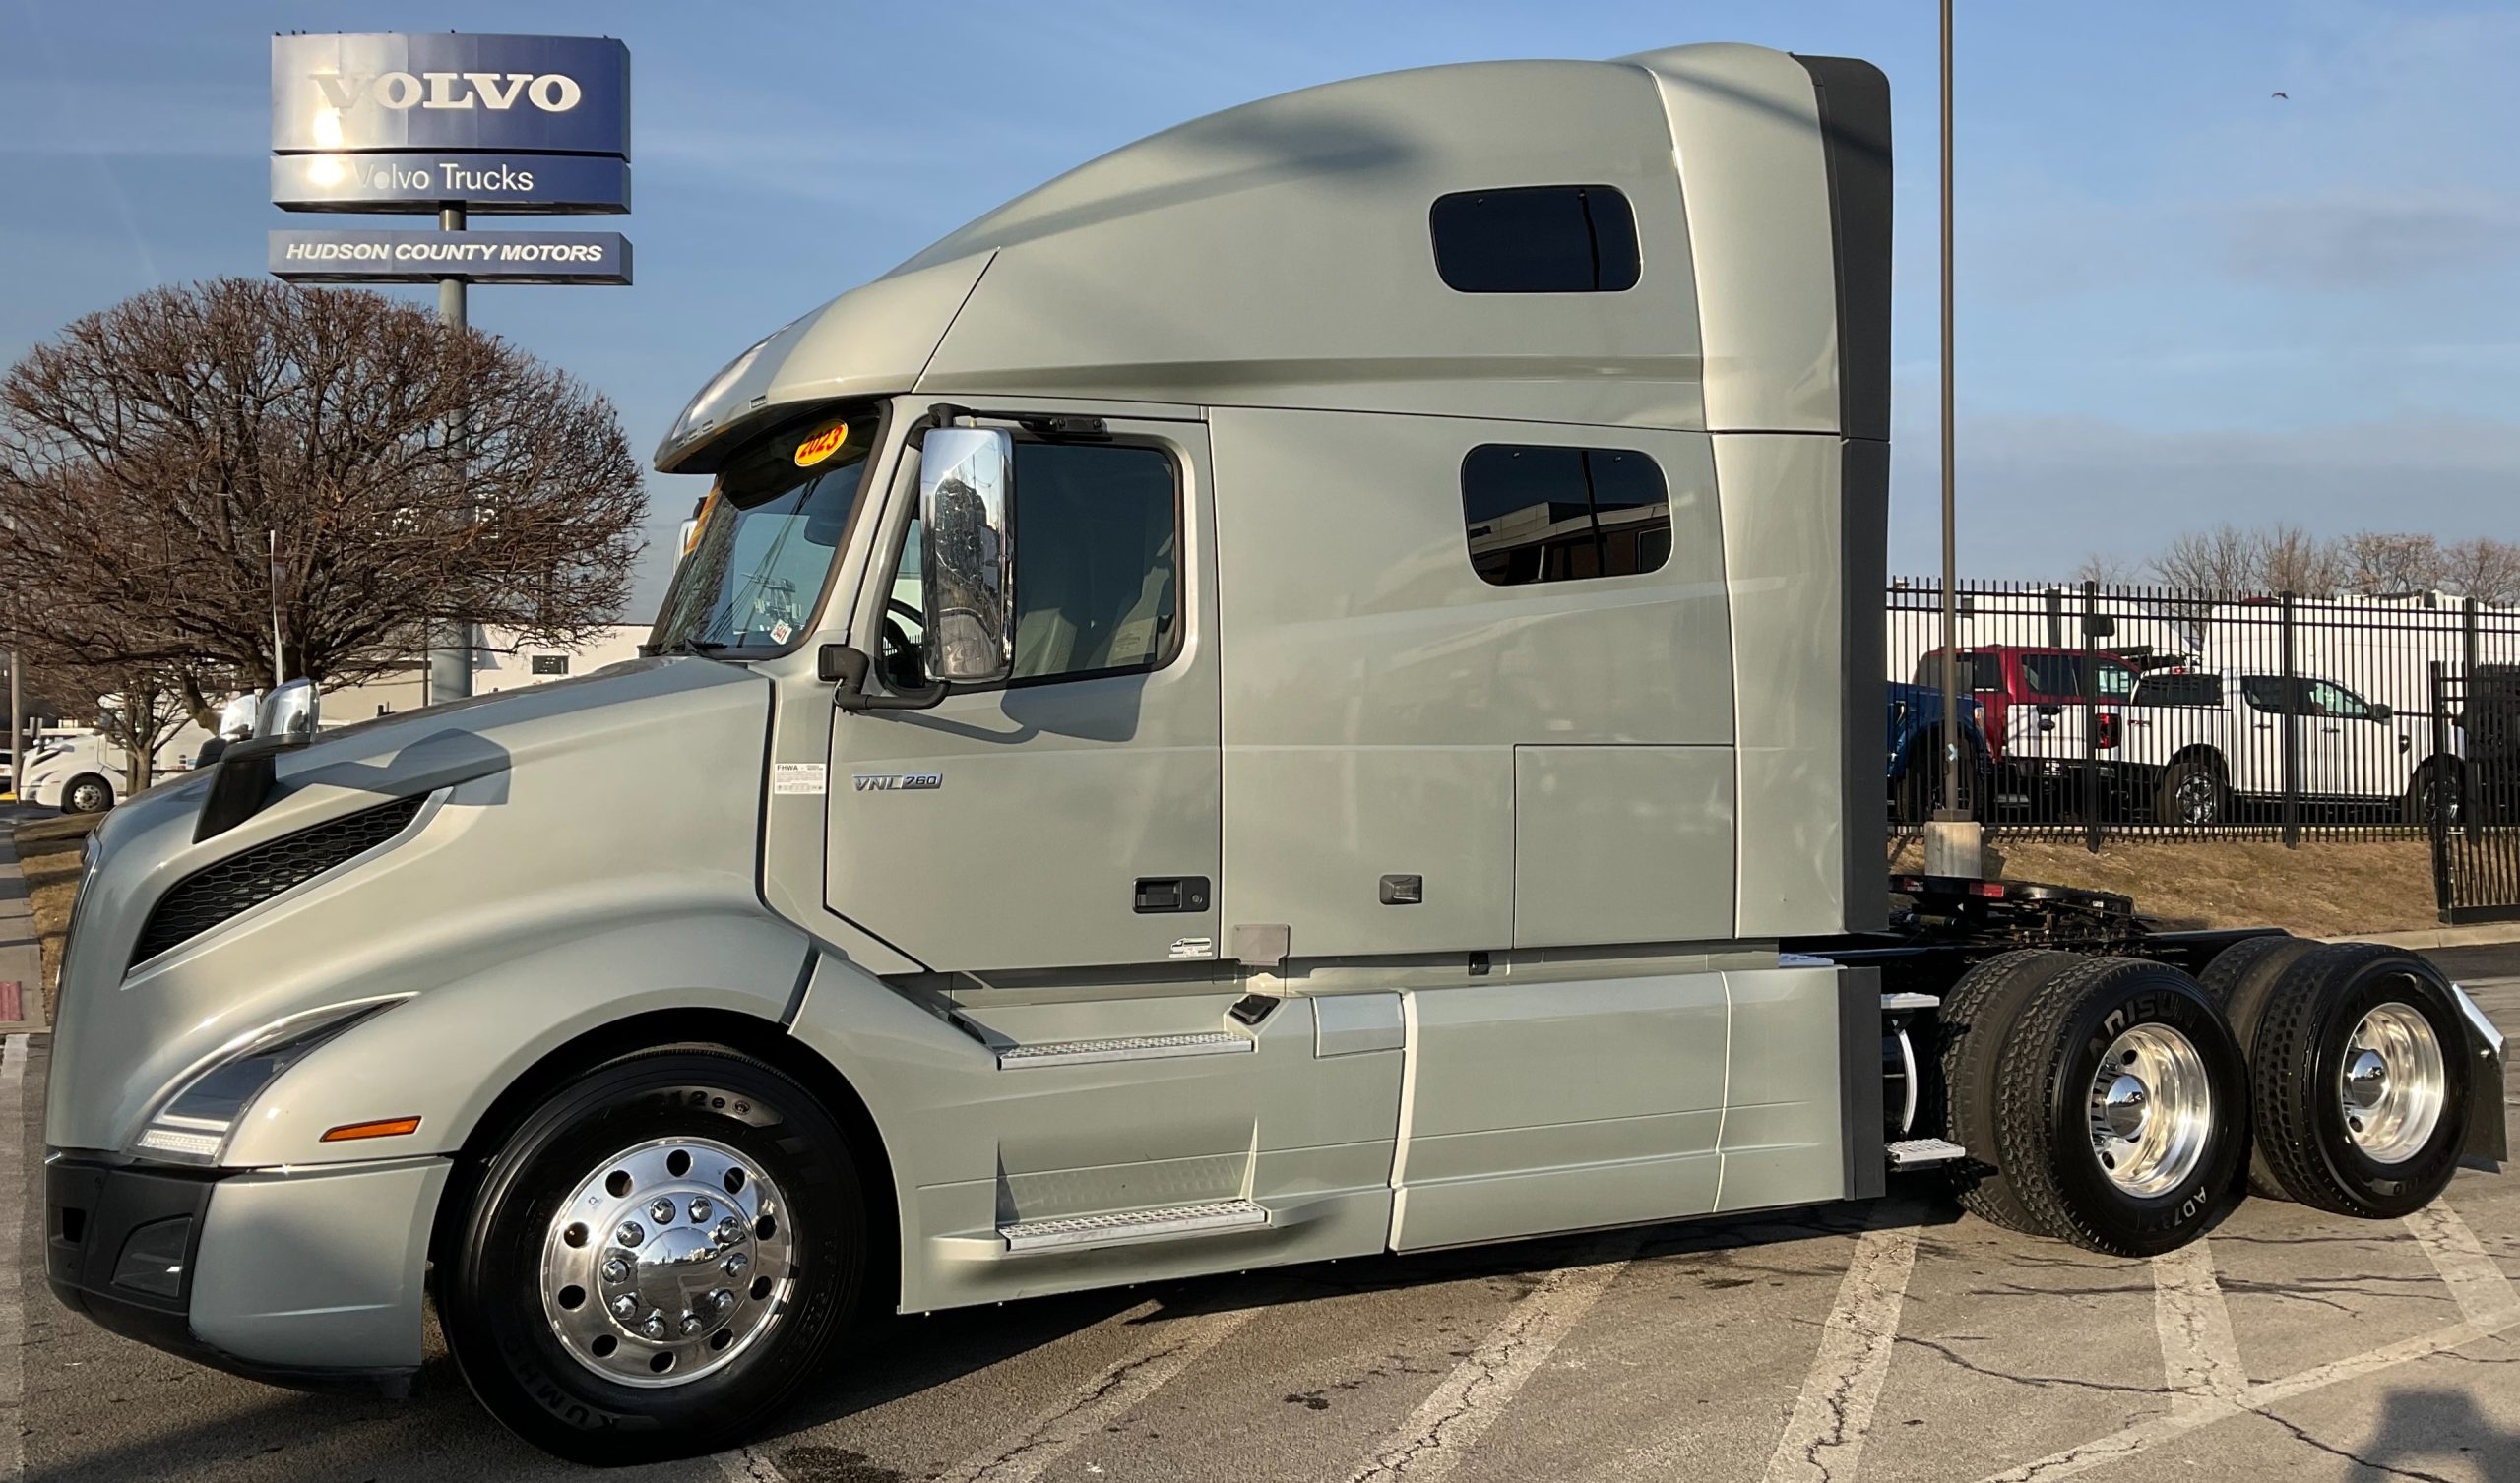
(2192, 794)
(87, 794)
(657, 1258)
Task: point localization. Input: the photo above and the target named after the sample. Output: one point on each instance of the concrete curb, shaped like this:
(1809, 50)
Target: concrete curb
(2479, 936)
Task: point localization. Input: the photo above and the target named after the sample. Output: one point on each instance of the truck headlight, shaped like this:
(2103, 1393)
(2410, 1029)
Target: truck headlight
(192, 1126)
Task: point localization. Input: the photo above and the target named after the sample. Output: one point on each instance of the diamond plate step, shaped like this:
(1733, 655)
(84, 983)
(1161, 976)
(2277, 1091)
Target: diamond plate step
(1912, 1001)
(1923, 1152)
(1123, 1226)
(1127, 1048)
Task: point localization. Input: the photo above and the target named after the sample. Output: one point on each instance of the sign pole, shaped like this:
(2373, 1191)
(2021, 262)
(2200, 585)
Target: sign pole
(1954, 840)
(17, 723)
(450, 670)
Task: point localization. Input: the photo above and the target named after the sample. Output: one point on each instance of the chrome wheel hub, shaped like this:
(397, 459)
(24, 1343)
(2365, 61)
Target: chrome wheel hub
(666, 1262)
(2152, 1110)
(2393, 1085)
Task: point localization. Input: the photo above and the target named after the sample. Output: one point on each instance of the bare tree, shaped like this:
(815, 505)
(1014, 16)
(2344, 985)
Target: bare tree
(2291, 559)
(413, 474)
(2485, 569)
(2107, 568)
(2382, 562)
(2220, 563)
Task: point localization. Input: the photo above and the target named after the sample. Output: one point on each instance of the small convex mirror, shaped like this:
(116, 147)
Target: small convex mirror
(290, 710)
(966, 492)
(241, 715)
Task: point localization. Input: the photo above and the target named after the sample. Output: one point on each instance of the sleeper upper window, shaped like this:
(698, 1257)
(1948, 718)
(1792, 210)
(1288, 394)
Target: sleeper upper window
(1543, 514)
(1536, 239)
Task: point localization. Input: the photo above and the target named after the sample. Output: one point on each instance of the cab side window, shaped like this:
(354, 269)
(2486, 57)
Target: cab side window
(1098, 566)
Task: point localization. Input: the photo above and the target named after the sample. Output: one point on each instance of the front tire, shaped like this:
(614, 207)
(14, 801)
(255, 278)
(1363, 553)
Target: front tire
(2119, 1107)
(87, 793)
(2193, 794)
(656, 1259)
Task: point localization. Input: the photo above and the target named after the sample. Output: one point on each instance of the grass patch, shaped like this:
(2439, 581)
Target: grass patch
(2327, 888)
(49, 853)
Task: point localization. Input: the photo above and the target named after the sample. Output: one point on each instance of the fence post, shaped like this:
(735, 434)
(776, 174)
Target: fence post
(2471, 823)
(2437, 824)
(2091, 722)
(2056, 617)
(2290, 713)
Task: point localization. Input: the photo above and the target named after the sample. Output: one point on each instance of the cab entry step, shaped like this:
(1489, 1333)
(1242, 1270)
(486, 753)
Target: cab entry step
(1121, 1227)
(1923, 1152)
(1124, 1048)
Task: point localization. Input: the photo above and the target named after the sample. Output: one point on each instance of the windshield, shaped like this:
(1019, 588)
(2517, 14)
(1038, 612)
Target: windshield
(762, 549)
(2055, 674)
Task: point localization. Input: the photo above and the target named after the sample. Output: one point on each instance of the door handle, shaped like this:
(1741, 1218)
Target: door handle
(1170, 893)
(2332, 730)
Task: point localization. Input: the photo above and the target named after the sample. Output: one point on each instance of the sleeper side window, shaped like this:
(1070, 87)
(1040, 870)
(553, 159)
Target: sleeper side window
(1098, 568)
(1534, 512)
(1536, 239)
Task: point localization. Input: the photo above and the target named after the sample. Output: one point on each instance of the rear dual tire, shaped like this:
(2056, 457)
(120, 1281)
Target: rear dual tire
(2102, 1101)
(2359, 1073)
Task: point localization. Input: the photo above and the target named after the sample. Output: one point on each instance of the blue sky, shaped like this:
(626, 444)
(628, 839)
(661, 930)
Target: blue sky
(2181, 299)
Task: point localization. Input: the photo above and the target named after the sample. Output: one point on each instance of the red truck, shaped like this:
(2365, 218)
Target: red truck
(2035, 703)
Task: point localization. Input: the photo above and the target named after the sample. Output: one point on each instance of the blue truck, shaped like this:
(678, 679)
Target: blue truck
(1915, 751)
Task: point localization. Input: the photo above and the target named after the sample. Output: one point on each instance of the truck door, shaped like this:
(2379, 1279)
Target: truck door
(1070, 816)
(2350, 752)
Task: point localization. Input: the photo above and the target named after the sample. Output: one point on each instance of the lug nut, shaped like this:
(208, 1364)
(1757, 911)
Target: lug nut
(692, 1323)
(632, 1234)
(660, 1211)
(625, 1305)
(653, 1324)
(729, 1231)
(616, 1271)
(721, 1300)
(700, 1210)
(734, 1264)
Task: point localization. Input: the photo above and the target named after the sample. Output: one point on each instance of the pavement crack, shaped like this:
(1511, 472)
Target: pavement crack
(2303, 1435)
(2034, 1381)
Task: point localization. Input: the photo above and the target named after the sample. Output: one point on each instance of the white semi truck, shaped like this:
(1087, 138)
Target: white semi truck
(1309, 687)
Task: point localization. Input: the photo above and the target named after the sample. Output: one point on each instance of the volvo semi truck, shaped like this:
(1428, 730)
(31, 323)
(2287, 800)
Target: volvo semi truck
(1307, 689)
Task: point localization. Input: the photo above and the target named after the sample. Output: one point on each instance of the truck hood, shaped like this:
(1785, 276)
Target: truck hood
(542, 808)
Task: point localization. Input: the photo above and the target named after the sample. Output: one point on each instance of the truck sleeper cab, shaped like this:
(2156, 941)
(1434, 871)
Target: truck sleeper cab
(1301, 691)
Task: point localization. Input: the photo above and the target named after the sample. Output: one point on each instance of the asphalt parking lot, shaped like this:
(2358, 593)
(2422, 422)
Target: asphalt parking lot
(1893, 1341)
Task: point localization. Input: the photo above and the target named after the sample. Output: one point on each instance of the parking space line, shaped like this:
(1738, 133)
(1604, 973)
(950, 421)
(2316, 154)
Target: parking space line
(2200, 1358)
(2453, 1249)
(13, 1212)
(1430, 1443)
(745, 1465)
(1171, 1347)
(2484, 1295)
(1824, 1438)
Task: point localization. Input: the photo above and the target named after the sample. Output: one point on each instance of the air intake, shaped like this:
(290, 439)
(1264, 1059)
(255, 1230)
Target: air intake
(245, 880)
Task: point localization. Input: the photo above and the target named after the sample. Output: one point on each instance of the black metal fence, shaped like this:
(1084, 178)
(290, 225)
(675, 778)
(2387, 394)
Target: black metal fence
(2101, 709)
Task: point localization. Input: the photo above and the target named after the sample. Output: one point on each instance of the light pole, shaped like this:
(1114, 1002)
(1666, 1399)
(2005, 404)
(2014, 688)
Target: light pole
(1952, 837)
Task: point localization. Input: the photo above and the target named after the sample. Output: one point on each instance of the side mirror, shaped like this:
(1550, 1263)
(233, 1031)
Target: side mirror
(290, 710)
(238, 718)
(966, 491)
(2381, 713)
(2100, 624)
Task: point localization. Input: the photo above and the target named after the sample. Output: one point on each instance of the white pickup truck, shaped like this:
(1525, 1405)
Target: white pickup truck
(2196, 740)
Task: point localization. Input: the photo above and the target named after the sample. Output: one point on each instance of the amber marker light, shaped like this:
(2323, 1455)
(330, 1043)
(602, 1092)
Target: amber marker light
(390, 1127)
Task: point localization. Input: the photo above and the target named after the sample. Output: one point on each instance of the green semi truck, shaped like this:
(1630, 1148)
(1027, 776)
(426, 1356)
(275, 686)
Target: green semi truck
(1309, 687)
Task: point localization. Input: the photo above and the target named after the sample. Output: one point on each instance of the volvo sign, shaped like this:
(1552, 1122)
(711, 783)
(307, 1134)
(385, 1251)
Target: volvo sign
(499, 184)
(543, 94)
